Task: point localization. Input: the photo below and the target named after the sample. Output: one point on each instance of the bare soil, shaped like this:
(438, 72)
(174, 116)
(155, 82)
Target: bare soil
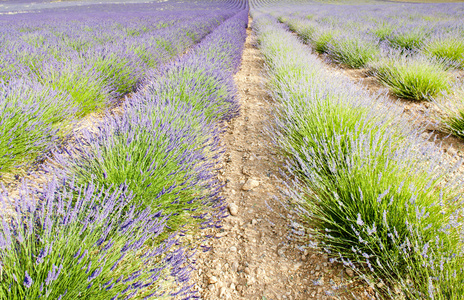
(253, 255)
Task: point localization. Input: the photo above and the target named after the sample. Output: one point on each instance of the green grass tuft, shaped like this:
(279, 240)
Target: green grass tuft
(449, 49)
(415, 78)
(88, 89)
(323, 40)
(353, 51)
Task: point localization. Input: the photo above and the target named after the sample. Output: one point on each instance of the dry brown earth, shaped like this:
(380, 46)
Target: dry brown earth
(253, 256)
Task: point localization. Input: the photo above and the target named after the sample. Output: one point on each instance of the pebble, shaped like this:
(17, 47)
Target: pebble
(349, 272)
(246, 171)
(451, 151)
(250, 184)
(222, 234)
(235, 266)
(212, 279)
(222, 292)
(233, 209)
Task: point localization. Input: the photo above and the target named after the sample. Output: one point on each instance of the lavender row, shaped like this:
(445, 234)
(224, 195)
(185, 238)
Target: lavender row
(108, 226)
(421, 27)
(55, 68)
(414, 54)
(377, 197)
(411, 55)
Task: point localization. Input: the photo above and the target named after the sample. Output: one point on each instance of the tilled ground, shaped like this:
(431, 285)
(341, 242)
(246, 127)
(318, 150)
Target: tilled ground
(253, 255)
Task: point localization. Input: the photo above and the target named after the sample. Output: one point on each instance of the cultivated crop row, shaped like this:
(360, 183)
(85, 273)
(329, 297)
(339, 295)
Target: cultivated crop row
(56, 69)
(106, 227)
(434, 30)
(419, 56)
(378, 198)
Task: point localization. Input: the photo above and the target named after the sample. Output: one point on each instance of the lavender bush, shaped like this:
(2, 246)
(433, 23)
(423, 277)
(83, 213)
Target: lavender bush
(450, 49)
(412, 77)
(379, 198)
(202, 79)
(102, 229)
(88, 89)
(451, 115)
(354, 51)
(163, 154)
(86, 62)
(30, 116)
(63, 245)
(164, 148)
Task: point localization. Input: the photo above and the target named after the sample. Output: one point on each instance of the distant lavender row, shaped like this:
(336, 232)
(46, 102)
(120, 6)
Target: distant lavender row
(55, 66)
(114, 49)
(408, 52)
(379, 198)
(433, 29)
(413, 49)
(405, 25)
(83, 6)
(104, 229)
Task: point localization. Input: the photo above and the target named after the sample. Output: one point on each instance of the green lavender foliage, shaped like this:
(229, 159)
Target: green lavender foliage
(412, 77)
(354, 51)
(450, 49)
(66, 245)
(30, 116)
(378, 198)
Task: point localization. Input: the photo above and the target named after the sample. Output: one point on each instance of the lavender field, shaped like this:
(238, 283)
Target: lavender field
(117, 122)
(108, 222)
(378, 195)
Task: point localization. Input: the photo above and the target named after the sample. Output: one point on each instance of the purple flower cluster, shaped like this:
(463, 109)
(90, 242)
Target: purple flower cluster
(29, 114)
(106, 227)
(405, 27)
(202, 78)
(379, 198)
(60, 64)
(60, 243)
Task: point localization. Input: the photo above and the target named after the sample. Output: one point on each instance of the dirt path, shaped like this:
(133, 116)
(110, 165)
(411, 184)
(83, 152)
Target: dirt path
(253, 258)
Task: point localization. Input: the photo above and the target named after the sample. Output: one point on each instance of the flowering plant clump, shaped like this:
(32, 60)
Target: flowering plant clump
(412, 77)
(164, 148)
(30, 116)
(72, 66)
(379, 198)
(60, 244)
(202, 79)
(164, 155)
(106, 227)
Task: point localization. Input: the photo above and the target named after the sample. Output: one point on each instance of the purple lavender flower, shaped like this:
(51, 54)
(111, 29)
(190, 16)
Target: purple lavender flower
(27, 280)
